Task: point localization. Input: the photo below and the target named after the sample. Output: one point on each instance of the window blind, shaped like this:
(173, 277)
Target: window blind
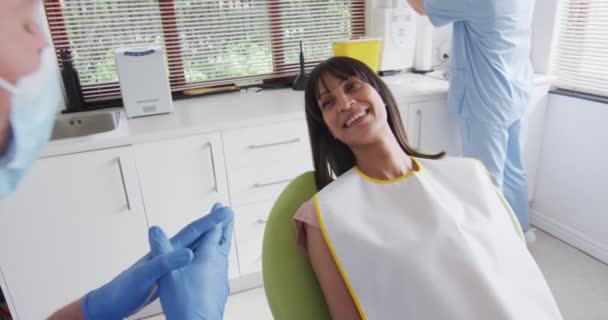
(206, 42)
(581, 61)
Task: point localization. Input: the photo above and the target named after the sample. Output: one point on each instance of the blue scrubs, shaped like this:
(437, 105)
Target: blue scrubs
(490, 83)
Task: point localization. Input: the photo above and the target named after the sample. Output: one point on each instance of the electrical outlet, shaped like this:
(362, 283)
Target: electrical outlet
(442, 52)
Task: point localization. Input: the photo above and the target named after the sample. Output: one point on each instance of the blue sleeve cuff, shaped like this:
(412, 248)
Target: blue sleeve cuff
(84, 307)
(9, 153)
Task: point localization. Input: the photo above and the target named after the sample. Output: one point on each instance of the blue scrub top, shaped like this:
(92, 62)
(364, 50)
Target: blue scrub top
(491, 72)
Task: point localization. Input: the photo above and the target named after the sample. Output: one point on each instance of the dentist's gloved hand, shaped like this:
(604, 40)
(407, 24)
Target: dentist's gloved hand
(134, 288)
(129, 291)
(199, 290)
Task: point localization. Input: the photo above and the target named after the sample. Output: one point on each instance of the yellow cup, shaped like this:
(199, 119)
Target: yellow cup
(366, 50)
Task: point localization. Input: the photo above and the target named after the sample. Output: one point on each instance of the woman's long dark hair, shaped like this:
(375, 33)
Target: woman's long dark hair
(331, 154)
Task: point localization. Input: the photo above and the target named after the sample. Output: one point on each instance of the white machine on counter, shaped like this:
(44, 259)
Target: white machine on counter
(144, 83)
(424, 46)
(395, 22)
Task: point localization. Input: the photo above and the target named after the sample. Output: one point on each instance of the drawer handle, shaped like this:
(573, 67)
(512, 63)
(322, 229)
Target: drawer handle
(258, 146)
(261, 221)
(210, 145)
(262, 185)
(124, 185)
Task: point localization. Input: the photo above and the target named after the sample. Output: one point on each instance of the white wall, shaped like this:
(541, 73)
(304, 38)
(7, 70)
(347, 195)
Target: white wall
(572, 184)
(442, 41)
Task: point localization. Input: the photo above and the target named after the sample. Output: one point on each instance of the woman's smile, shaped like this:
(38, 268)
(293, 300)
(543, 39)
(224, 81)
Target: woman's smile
(356, 118)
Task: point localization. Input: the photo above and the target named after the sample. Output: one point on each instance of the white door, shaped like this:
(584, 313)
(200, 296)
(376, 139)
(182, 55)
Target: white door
(250, 226)
(181, 179)
(432, 128)
(75, 223)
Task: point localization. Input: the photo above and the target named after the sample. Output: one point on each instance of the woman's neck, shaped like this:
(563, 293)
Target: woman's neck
(383, 160)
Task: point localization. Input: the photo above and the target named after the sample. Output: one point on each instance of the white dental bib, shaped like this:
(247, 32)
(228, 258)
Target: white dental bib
(437, 243)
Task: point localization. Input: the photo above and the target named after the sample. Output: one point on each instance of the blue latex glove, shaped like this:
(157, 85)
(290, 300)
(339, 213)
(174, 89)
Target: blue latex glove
(199, 290)
(134, 288)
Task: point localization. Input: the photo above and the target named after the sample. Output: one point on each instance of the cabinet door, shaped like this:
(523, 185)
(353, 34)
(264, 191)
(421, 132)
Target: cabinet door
(181, 179)
(249, 229)
(75, 223)
(431, 128)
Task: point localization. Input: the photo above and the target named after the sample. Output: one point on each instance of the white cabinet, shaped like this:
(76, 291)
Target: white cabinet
(181, 179)
(75, 223)
(260, 162)
(431, 128)
(249, 228)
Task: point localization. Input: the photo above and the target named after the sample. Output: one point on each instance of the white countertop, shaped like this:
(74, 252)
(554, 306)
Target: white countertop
(191, 117)
(218, 112)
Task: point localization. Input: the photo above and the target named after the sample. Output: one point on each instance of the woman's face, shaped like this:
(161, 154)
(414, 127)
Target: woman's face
(353, 110)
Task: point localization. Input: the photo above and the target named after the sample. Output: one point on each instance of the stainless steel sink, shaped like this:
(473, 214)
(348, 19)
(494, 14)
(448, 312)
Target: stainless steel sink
(78, 125)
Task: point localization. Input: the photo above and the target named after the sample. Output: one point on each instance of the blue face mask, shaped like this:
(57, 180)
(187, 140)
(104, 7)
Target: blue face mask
(32, 112)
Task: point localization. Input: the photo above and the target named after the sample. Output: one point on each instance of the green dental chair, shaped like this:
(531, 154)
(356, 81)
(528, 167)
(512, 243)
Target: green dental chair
(292, 289)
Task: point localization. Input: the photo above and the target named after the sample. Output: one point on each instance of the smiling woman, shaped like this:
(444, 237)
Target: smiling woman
(339, 89)
(399, 234)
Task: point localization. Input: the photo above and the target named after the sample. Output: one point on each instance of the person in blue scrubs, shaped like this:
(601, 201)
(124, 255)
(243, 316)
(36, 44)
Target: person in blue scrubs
(490, 84)
(189, 272)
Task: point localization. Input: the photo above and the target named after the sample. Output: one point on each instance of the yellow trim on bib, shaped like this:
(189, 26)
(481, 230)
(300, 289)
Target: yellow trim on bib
(512, 215)
(336, 259)
(403, 177)
(504, 201)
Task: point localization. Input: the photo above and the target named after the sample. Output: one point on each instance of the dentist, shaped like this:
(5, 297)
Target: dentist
(490, 83)
(190, 270)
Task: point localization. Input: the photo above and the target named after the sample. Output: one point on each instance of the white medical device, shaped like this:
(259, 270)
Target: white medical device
(396, 25)
(144, 83)
(424, 46)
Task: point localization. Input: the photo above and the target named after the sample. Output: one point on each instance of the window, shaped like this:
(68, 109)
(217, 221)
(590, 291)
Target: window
(206, 42)
(581, 62)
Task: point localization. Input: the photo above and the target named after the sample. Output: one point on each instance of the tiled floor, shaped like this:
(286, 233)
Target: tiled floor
(250, 305)
(578, 281)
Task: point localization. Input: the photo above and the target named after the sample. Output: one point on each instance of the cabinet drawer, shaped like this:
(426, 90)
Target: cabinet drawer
(261, 161)
(250, 222)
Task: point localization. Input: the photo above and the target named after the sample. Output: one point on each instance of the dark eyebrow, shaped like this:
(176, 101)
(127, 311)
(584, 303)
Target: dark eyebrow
(327, 89)
(324, 86)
